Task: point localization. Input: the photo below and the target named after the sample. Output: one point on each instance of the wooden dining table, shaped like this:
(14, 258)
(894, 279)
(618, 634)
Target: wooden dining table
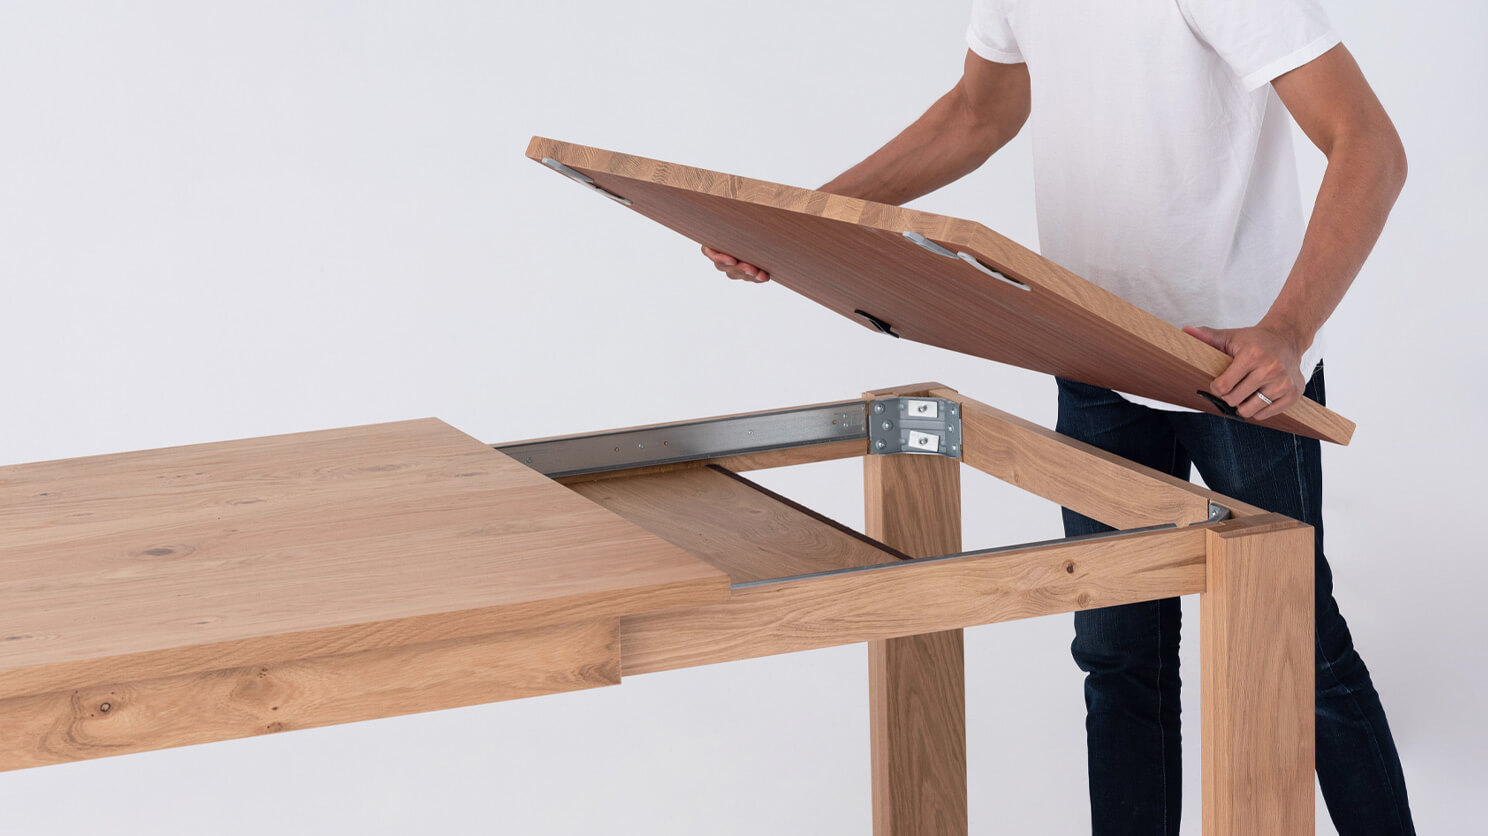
(200, 593)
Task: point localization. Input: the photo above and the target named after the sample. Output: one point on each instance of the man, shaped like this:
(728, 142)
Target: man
(1164, 172)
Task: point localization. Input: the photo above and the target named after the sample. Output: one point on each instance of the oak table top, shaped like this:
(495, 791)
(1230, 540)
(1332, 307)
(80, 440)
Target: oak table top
(203, 556)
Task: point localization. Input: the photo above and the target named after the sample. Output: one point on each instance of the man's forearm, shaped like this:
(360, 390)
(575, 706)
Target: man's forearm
(1363, 179)
(958, 133)
(985, 109)
(941, 146)
(1338, 111)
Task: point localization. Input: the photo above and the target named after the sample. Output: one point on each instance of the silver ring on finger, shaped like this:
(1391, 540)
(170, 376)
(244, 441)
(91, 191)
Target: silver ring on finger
(1263, 397)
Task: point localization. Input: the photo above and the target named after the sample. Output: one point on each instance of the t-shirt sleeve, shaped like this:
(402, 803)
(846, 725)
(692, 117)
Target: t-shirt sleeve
(1261, 39)
(989, 35)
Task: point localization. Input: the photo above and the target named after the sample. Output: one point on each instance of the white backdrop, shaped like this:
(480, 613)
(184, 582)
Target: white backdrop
(221, 220)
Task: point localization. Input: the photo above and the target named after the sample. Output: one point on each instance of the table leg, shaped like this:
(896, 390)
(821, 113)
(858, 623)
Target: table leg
(917, 687)
(1256, 625)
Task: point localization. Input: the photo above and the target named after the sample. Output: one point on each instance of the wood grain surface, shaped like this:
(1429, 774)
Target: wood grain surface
(1086, 479)
(162, 562)
(1256, 668)
(905, 599)
(917, 734)
(743, 529)
(850, 255)
(123, 717)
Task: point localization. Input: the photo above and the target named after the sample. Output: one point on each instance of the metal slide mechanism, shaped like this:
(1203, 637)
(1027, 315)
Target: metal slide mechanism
(888, 426)
(686, 441)
(923, 426)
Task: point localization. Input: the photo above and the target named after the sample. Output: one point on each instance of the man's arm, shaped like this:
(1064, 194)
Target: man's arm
(985, 109)
(1338, 111)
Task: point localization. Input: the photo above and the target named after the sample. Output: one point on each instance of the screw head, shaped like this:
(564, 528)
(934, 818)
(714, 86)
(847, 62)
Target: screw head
(879, 444)
(878, 409)
(924, 407)
(888, 425)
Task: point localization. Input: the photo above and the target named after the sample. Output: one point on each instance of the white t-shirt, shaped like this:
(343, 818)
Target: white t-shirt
(1163, 161)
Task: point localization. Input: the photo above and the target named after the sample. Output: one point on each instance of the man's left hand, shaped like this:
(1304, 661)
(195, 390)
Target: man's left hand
(1266, 362)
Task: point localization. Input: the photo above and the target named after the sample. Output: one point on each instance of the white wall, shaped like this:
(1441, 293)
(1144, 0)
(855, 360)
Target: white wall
(229, 220)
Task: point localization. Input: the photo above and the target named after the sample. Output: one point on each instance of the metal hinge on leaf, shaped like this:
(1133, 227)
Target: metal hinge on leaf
(583, 180)
(914, 425)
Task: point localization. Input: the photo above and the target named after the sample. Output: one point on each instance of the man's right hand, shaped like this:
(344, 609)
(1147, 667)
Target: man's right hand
(734, 268)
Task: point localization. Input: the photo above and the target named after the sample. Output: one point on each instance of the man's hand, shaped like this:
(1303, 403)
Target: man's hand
(734, 268)
(1266, 362)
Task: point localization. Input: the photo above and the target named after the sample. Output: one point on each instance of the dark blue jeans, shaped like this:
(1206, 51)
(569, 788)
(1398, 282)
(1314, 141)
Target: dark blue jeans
(1130, 653)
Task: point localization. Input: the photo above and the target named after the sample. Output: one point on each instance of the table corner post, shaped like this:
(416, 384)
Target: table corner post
(917, 686)
(1257, 672)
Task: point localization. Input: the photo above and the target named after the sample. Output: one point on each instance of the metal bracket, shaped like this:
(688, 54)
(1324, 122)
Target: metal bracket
(928, 244)
(914, 425)
(583, 180)
(933, 247)
(883, 327)
(1224, 408)
(1217, 512)
(996, 274)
